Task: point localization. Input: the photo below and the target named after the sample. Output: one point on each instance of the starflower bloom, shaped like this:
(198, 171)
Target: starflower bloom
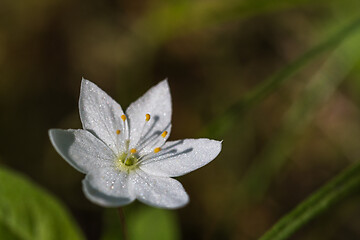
(125, 156)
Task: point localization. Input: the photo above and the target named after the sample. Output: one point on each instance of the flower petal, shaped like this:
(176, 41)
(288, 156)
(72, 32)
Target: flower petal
(101, 115)
(81, 149)
(180, 157)
(157, 103)
(160, 192)
(108, 188)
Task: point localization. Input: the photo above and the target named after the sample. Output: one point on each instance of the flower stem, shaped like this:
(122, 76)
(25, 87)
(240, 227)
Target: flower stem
(123, 223)
(340, 187)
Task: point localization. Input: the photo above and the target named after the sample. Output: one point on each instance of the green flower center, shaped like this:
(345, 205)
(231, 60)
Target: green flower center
(126, 161)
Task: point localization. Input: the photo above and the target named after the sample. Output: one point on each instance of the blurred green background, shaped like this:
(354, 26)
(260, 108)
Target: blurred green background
(277, 81)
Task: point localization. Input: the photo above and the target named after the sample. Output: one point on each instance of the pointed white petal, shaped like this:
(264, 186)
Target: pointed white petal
(157, 103)
(108, 187)
(180, 157)
(101, 115)
(162, 192)
(81, 149)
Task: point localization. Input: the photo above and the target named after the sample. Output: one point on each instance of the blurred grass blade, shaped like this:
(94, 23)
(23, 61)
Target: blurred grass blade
(153, 223)
(299, 116)
(143, 222)
(219, 126)
(341, 187)
(5, 233)
(165, 20)
(28, 212)
(318, 90)
(170, 18)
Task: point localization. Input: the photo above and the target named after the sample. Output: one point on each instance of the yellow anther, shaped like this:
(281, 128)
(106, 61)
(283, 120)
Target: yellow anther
(133, 150)
(123, 117)
(156, 150)
(164, 134)
(147, 117)
(118, 132)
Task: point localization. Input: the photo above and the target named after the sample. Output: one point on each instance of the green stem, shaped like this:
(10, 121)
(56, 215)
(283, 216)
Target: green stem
(340, 187)
(123, 223)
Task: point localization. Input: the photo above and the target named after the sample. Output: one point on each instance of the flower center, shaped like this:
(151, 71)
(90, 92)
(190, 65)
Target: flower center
(131, 158)
(126, 161)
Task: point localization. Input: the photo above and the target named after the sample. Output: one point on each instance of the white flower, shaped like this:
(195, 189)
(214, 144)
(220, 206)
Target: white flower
(125, 156)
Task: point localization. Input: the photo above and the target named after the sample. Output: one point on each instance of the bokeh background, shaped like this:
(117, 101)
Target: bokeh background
(277, 81)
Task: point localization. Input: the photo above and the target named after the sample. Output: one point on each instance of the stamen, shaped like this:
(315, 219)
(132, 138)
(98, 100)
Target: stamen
(125, 127)
(156, 150)
(133, 150)
(153, 141)
(147, 119)
(164, 134)
(118, 132)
